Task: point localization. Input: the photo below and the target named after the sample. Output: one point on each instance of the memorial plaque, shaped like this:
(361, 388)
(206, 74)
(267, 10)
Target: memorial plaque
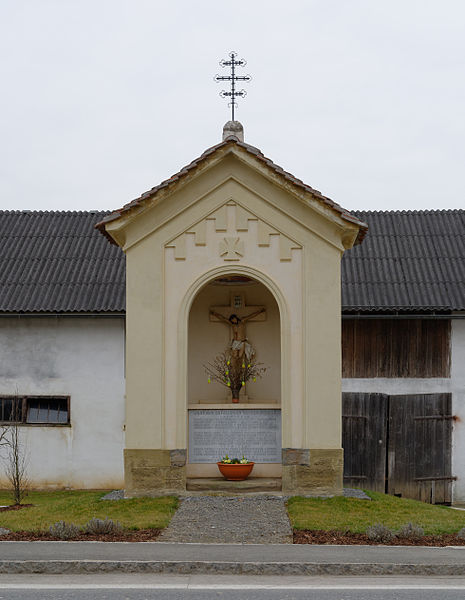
(254, 433)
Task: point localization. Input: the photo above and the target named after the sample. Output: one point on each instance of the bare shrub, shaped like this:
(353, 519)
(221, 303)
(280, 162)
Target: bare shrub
(3, 435)
(64, 531)
(103, 526)
(379, 533)
(410, 531)
(16, 455)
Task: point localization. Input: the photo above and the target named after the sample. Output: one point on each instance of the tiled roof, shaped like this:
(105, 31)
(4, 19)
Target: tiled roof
(409, 261)
(55, 262)
(232, 140)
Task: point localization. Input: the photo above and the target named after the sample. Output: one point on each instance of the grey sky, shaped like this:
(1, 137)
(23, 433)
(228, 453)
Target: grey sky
(102, 99)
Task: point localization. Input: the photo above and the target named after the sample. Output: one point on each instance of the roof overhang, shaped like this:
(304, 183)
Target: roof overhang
(353, 229)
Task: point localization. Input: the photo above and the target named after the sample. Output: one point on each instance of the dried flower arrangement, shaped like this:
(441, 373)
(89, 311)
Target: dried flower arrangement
(234, 371)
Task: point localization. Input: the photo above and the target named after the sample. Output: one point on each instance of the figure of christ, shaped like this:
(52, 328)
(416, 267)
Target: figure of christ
(239, 344)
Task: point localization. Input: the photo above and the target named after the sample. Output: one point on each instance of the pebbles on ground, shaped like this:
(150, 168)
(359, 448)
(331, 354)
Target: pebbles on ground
(220, 519)
(354, 493)
(115, 495)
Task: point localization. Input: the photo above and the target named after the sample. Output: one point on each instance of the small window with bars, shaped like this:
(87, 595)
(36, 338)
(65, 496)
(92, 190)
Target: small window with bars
(35, 410)
(11, 409)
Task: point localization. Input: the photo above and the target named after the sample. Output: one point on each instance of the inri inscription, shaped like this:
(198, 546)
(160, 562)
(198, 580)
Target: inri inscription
(255, 434)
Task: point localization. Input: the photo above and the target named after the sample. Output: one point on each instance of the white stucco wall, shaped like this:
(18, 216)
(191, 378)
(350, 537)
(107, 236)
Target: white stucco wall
(205, 261)
(83, 358)
(458, 408)
(454, 385)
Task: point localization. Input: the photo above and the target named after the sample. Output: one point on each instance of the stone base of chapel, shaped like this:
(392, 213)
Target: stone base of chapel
(313, 472)
(157, 472)
(154, 472)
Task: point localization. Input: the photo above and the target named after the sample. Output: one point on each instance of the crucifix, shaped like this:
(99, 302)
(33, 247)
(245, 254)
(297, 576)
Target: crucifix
(236, 315)
(233, 63)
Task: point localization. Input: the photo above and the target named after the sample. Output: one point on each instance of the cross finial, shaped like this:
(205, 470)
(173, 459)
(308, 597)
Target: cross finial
(233, 94)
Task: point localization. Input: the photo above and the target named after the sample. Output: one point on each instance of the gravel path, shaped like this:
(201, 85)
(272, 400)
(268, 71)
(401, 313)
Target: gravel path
(353, 493)
(214, 519)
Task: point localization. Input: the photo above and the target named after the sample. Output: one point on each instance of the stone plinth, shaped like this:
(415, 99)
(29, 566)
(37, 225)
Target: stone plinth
(154, 472)
(312, 472)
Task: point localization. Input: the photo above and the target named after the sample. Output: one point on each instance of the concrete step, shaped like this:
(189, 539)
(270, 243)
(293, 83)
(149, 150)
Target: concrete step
(220, 485)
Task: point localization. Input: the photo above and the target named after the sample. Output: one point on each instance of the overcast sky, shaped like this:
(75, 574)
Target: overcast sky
(102, 99)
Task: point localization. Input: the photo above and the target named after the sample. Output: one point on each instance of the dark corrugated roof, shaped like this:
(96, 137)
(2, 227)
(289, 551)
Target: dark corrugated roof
(409, 261)
(233, 140)
(56, 262)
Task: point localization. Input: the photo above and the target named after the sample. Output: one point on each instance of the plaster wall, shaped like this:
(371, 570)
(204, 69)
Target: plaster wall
(182, 277)
(232, 217)
(82, 358)
(458, 408)
(207, 339)
(454, 385)
(162, 282)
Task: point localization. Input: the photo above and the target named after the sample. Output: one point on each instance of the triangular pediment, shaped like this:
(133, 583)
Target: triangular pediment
(228, 155)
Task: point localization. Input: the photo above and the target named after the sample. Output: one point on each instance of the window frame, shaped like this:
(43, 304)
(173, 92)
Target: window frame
(23, 399)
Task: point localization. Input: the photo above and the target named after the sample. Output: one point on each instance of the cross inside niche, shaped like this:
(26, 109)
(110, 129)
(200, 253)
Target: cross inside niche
(237, 306)
(236, 315)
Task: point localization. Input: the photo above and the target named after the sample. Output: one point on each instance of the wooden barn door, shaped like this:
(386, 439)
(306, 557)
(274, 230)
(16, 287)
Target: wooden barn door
(419, 447)
(364, 439)
(399, 444)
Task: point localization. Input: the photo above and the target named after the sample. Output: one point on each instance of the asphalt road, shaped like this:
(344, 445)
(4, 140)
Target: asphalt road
(232, 595)
(148, 587)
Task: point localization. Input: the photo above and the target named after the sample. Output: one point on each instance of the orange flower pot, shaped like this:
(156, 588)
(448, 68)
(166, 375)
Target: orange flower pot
(235, 472)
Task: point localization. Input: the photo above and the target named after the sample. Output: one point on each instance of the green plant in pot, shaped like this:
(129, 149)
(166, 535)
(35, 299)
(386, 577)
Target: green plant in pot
(235, 469)
(234, 371)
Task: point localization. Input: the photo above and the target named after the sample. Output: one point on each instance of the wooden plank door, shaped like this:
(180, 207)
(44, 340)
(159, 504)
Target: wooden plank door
(364, 428)
(419, 447)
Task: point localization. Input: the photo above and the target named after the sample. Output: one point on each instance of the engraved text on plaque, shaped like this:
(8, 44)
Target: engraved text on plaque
(255, 434)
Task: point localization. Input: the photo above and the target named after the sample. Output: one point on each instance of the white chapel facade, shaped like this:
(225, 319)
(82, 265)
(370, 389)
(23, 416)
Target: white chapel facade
(232, 233)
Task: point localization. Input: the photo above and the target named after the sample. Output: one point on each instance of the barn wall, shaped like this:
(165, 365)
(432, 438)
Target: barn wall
(82, 358)
(395, 348)
(455, 384)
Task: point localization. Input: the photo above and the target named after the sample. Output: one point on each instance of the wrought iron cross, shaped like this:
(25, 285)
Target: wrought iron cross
(233, 94)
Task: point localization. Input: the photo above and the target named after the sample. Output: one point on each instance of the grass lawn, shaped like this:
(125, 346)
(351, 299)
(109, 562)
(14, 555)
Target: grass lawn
(80, 506)
(353, 515)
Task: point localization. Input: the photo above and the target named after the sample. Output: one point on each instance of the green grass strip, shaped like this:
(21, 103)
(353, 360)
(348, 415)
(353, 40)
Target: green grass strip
(80, 506)
(353, 515)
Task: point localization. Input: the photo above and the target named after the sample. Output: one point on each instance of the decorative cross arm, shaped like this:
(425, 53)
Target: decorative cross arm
(233, 93)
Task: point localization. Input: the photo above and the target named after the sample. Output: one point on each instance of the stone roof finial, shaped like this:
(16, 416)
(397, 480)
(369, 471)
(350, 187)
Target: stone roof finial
(233, 128)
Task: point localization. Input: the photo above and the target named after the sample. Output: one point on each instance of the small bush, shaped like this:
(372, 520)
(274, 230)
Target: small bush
(64, 531)
(409, 531)
(461, 534)
(103, 526)
(379, 533)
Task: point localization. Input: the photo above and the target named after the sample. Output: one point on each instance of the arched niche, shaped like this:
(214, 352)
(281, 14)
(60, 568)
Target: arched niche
(207, 338)
(227, 294)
